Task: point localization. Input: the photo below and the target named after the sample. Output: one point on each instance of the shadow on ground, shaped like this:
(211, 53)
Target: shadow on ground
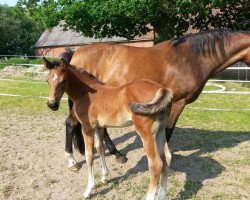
(195, 165)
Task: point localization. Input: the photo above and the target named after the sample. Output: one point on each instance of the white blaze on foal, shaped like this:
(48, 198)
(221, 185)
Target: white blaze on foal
(54, 77)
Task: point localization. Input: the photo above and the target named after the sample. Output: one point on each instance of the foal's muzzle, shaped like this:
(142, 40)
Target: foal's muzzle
(53, 105)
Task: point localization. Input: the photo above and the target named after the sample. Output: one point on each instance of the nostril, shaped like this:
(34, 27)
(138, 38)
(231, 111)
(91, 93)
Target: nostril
(56, 104)
(48, 104)
(53, 105)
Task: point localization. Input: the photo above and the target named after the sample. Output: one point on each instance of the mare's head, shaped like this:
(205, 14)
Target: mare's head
(56, 80)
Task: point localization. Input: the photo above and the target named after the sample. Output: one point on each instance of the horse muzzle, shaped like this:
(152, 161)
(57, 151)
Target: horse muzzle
(53, 105)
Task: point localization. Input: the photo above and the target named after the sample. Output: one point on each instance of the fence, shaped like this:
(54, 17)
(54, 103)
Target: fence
(236, 73)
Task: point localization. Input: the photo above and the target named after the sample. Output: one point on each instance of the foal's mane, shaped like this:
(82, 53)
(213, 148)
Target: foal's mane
(89, 75)
(206, 40)
(82, 72)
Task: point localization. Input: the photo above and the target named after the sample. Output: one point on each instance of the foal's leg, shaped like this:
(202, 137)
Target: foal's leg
(155, 164)
(101, 151)
(89, 154)
(166, 158)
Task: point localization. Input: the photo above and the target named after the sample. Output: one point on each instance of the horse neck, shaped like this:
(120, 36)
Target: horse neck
(78, 85)
(237, 48)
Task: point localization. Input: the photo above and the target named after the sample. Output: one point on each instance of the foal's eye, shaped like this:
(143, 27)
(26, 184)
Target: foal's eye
(63, 82)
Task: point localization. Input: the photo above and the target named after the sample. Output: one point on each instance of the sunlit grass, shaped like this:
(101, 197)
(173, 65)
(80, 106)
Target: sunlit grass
(30, 101)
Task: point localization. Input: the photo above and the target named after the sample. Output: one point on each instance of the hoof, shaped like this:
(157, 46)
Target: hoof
(75, 167)
(86, 195)
(104, 180)
(121, 159)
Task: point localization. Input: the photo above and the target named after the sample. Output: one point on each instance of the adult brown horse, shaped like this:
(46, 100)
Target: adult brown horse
(183, 65)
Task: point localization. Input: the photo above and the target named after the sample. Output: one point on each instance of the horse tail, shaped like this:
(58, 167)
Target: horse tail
(161, 101)
(67, 55)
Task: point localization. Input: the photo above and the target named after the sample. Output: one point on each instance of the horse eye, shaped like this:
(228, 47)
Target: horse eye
(63, 82)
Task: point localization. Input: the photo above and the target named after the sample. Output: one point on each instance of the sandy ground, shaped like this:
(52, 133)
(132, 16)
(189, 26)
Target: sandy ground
(33, 165)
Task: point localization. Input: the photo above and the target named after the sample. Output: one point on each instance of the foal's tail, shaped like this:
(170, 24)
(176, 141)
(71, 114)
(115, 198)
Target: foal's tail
(161, 101)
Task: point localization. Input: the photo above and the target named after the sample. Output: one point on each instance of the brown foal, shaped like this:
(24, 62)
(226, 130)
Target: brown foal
(143, 103)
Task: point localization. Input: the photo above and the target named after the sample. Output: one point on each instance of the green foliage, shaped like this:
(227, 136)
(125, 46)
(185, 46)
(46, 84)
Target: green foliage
(128, 18)
(16, 61)
(19, 32)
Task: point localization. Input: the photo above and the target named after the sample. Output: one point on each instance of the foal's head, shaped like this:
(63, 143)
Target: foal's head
(56, 80)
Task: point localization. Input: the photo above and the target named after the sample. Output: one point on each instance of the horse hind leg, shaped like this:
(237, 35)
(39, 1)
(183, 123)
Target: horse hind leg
(155, 169)
(166, 158)
(100, 150)
(155, 163)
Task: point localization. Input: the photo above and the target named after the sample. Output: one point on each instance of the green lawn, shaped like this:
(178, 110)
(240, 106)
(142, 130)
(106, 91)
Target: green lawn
(29, 102)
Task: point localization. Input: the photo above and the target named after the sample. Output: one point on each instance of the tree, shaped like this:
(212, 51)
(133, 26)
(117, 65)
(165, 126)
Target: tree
(128, 18)
(19, 32)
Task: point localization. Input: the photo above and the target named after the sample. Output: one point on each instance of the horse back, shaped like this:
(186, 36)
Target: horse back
(117, 65)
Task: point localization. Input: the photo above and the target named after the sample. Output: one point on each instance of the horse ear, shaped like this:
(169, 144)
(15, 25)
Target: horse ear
(47, 63)
(63, 64)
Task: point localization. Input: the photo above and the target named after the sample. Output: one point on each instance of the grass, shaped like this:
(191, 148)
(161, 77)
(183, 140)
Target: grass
(14, 61)
(230, 86)
(29, 103)
(6, 190)
(30, 89)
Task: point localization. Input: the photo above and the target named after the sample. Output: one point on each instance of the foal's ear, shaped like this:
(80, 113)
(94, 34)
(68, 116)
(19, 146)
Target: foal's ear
(63, 64)
(47, 63)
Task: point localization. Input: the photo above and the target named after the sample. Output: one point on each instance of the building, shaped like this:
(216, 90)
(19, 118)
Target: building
(55, 41)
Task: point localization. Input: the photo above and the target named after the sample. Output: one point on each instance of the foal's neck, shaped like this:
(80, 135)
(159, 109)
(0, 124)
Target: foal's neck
(78, 85)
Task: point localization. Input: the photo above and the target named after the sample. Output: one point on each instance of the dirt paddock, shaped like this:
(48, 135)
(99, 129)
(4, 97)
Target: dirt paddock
(33, 165)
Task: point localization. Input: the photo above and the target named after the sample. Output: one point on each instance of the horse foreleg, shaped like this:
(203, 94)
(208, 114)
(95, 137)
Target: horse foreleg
(176, 109)
(70, 128)
(89, 154)
(100, 150)
(120, 158)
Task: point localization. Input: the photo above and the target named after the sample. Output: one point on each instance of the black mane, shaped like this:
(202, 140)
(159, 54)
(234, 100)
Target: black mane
(207, 40)
(67, 55)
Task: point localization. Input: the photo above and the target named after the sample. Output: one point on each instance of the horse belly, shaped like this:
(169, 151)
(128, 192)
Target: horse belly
(118, 120)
